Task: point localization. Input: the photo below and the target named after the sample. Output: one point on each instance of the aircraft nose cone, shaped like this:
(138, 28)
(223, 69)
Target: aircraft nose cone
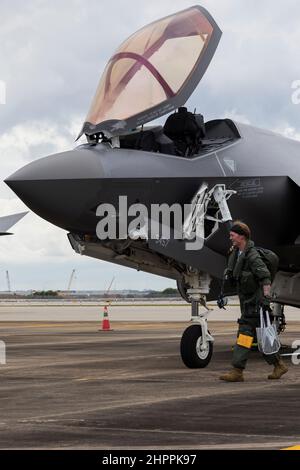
(59, 187)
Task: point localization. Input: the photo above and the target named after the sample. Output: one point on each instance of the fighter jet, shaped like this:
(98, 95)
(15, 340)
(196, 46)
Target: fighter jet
(221, 170)
(8, 221)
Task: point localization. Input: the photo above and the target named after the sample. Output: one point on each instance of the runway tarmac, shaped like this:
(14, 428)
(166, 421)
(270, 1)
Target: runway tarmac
(139, 311)
(67, 385)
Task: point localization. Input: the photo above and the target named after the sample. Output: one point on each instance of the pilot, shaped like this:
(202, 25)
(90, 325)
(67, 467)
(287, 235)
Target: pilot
(253, 281)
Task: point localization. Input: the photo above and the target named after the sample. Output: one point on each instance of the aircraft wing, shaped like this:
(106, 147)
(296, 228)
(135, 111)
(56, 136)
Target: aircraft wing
(9, 221)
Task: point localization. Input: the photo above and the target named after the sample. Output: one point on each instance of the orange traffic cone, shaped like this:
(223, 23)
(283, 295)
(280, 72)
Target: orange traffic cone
(105, 321)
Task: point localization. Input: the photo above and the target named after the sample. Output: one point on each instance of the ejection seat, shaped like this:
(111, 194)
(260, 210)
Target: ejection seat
(186, 130)
(149, 139)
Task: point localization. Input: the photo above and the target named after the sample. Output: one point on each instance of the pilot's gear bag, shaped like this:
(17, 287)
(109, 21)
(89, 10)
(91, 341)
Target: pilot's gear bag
(267, 336)
(270, 259)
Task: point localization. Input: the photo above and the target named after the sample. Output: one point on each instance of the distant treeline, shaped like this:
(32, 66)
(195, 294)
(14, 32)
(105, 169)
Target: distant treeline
(53, 294)
(169, 292)
(45, 293)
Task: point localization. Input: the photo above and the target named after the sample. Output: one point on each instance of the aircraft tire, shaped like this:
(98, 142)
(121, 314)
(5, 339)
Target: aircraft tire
(191, 354)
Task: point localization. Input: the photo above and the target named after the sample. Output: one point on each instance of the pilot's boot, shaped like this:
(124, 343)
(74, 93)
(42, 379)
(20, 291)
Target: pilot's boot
(279, 369)
(235, 375)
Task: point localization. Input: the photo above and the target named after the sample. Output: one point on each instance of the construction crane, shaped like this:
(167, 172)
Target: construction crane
(109, 300)
(71, 279)
(110, 285)
(8, 282)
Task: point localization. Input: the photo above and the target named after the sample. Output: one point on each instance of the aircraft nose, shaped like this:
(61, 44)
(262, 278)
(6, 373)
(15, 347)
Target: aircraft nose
(59, 187)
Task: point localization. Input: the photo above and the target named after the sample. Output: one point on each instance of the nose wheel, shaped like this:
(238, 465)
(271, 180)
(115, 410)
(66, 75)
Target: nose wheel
(196, 345)
(196, 353)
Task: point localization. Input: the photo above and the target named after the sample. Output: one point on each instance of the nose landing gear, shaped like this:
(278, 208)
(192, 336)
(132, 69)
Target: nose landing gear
(196, 345)
(196, 342)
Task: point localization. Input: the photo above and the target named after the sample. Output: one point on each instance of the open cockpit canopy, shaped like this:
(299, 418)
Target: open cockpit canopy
(153, 72)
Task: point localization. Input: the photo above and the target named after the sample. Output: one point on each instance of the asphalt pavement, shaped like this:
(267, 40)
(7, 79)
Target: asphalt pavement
(67, 385)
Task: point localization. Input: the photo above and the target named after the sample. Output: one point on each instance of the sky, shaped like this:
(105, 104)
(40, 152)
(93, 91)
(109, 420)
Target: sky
(52, 54)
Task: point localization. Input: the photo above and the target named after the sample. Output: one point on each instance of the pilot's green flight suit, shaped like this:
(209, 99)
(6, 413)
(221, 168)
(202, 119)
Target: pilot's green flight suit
(250, 274)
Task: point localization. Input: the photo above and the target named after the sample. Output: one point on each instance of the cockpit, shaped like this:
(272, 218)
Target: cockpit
(152, 74)
(174, 138)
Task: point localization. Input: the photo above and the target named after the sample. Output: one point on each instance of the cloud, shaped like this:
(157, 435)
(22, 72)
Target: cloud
(288, 131)
(52, 54)
(235, 116)
(34, 238)
(52, 62)
(30, 140)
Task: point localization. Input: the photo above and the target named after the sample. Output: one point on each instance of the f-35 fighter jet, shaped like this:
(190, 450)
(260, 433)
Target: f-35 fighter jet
(220, 169)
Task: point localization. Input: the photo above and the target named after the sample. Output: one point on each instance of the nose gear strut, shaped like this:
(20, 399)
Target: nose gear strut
(197, 342)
